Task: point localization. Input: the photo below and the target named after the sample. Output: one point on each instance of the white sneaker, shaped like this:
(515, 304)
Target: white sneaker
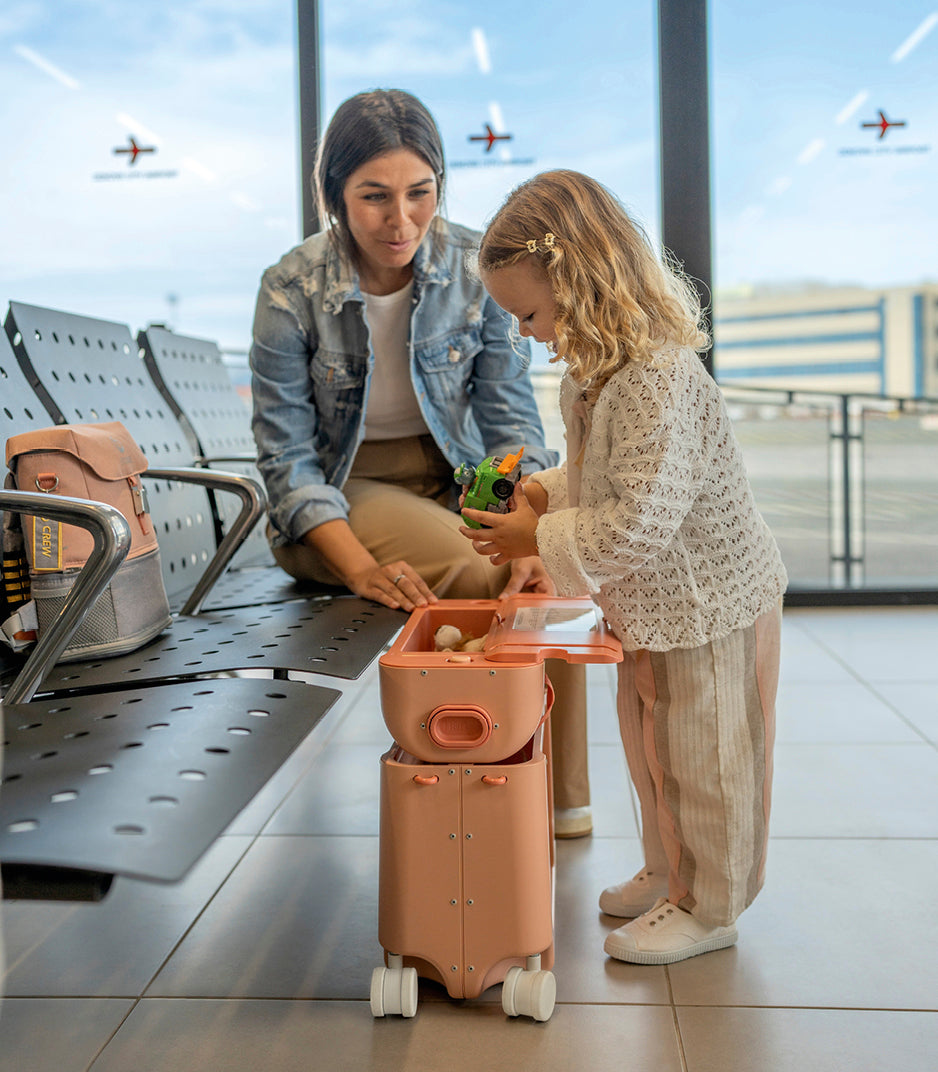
(635, 897)
(666, 935)
(573, 822)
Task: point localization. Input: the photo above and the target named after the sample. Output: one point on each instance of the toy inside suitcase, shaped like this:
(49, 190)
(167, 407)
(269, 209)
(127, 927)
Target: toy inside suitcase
(466, 848)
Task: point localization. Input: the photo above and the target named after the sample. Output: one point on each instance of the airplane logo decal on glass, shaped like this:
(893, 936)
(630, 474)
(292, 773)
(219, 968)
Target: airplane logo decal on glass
(489, 136)
(883, 124)
(134, 150)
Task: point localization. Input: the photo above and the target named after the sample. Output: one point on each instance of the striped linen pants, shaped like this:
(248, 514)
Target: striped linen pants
(698, 726)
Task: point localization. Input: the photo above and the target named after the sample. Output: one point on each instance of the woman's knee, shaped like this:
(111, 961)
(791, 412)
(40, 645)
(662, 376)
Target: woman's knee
(472, 577)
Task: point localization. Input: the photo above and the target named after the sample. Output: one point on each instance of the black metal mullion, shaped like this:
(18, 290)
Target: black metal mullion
(308, 73)
(684, 117)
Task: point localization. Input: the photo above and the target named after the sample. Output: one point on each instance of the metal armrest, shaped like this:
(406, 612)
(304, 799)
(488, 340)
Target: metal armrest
(111, 535)
(253, 505)
(245, 458)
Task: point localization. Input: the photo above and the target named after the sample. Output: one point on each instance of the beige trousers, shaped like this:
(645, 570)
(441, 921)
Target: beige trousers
(698, 726)
(399, 494)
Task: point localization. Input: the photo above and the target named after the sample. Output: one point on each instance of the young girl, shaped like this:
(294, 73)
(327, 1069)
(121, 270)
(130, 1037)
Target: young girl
(653, 516)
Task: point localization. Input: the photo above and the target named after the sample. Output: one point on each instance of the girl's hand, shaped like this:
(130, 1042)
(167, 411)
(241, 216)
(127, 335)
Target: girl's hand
(396, 585)
(506, 536)
(528, 575)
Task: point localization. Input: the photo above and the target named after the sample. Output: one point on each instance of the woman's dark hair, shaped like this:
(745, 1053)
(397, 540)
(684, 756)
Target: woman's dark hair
(363, 127)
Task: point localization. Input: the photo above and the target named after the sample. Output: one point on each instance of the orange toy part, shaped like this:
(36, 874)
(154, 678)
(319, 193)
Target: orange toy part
(510, 461)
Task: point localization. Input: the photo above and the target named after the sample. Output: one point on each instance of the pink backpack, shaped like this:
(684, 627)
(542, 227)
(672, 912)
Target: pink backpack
(100, 462)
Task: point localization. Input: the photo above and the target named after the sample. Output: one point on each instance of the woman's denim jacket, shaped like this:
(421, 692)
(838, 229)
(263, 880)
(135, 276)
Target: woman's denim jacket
(311, 362)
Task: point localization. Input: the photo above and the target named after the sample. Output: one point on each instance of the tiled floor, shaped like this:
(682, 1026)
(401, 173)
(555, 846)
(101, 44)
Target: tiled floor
(261, 958)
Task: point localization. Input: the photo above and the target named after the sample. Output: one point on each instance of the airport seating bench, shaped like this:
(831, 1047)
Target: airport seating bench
(134, 765)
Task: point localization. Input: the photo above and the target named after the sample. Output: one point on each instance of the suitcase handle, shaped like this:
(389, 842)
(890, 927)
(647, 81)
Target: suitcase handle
(431, 779)
(548, 701)
(490, 779)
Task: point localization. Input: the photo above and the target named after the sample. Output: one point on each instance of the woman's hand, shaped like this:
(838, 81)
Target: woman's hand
(506, 536)
(396, 585)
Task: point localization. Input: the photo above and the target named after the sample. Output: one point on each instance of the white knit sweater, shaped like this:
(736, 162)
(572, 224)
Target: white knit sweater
(652, 513)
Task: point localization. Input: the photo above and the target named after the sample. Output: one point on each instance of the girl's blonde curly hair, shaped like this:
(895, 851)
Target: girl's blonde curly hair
(616, 301)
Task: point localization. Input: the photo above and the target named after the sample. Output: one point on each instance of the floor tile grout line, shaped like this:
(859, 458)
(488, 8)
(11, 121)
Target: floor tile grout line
(332, 731)
(252, 839)
(825, 647)
(11, 965)
(361, 1001)
(808, 1008)
(679, 1038)
(305, 1000)
(107, 1042)
(853, 837)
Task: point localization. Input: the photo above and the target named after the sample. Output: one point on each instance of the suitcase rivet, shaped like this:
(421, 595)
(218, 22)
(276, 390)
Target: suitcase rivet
(491, 673)
(453, 901)
(452, 837)
(468, 770)
(469, 902)
(454, 968)
(452, 771)
(423, 725)
(471, 968)
(468, 837)
(423, 673)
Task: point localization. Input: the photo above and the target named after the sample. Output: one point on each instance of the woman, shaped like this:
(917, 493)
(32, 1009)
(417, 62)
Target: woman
(379, 365)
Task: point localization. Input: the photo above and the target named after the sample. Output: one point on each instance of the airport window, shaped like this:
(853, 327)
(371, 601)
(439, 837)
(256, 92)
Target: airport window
(153, 174)
(154, 169)
(825, 165)
(557, 89)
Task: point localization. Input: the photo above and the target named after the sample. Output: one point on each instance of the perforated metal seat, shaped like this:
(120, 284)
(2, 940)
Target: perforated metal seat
(138, 782)
(339, 637)
(192, 379)
(87, 370)
(20, 411)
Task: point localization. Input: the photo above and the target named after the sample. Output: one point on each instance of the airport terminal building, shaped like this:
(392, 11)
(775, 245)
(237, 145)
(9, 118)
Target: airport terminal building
(851, 339)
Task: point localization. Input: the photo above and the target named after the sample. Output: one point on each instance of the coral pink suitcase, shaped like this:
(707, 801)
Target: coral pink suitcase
(466, 848)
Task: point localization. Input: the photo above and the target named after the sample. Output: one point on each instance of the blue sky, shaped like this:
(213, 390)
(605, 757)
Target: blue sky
(800, 188)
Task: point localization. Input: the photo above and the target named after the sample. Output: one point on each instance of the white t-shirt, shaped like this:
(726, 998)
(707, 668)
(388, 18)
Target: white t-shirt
(392, 411)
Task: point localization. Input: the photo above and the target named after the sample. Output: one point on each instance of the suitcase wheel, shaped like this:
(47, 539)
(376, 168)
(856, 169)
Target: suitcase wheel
(529, 993)
(394, 989)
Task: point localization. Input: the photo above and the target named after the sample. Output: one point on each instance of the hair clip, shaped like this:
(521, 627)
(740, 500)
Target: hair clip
(535, 247)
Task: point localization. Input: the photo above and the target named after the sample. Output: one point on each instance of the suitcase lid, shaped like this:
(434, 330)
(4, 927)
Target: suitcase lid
(522, 630)
(540, 627)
